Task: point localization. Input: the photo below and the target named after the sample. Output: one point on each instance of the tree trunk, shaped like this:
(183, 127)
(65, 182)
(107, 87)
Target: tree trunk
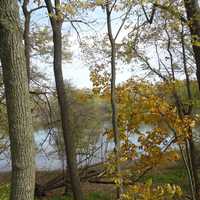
(113, 99)
(26, 35)
(63, 103)
(191, 153)
(193, 167)
(17, 100)
(193, 16)
(64, 109)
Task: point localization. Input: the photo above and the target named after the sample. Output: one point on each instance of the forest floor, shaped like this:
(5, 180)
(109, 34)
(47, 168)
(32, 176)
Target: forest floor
(174, 175)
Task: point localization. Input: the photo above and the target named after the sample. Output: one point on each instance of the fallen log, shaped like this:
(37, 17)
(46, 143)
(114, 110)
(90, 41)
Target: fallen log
(85, 173)
(92, 174)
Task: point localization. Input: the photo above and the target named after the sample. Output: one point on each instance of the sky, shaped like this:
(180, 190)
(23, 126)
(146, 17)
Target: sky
(77, 71)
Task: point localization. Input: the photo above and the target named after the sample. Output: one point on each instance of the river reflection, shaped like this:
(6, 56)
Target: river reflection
(47, 157)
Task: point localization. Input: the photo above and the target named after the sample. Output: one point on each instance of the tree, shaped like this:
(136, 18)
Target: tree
(180, 32)
(17, 101)
(26, 35)
(193, 16)
(172, 66)
(113, 95)
(56, 19)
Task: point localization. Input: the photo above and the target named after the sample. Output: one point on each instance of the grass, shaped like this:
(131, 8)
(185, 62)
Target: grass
(175, 175)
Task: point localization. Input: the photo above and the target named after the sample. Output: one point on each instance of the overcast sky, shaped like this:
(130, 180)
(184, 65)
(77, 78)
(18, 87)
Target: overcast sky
(77, 71)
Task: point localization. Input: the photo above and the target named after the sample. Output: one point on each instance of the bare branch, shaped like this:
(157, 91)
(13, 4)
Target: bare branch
(35, 9)
(149, 20)
(123, 21)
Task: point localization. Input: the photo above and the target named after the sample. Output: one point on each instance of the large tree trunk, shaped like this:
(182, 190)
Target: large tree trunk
(63, 103)
(17, 100)
(193, 16)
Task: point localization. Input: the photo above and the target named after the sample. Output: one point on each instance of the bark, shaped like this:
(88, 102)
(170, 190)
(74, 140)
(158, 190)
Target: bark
(63, 102)
(193, 16)
(17, 101)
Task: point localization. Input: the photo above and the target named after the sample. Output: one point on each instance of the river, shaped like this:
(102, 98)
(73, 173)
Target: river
(47, 157)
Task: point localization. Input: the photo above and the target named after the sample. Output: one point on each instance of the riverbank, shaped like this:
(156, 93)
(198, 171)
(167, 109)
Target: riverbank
(173, 174)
